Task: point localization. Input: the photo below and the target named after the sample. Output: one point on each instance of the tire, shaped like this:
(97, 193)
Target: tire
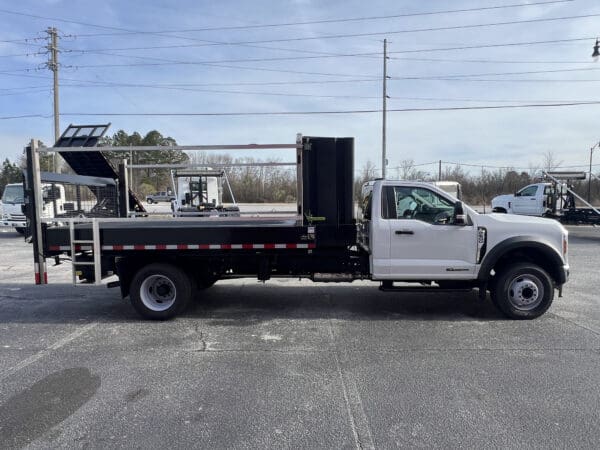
(150, 201)
(20, 230)
(160, 291)
(522, 291)
(499, 210)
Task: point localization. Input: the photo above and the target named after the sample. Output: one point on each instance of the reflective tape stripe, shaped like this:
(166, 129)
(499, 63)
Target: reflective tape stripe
(267, 246)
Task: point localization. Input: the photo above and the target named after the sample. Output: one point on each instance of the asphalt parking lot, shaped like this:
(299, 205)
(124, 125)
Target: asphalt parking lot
(296, 364)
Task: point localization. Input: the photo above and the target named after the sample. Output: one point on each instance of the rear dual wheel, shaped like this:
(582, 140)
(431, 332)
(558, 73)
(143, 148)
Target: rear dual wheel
(160, 291)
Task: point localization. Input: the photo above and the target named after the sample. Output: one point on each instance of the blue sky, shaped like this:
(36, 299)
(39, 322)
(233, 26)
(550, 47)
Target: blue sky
(289, 73)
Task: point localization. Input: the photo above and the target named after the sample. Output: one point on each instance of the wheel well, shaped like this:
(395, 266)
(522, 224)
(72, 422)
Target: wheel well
(127, 267)
(499, 209)
(530, 255)
(197, 269)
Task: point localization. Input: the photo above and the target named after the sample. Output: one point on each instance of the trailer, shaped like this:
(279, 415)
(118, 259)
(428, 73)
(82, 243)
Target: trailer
(408, 236)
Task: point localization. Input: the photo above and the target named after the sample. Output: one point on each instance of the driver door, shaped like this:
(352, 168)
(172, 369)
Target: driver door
(525, 202)
(423, 243)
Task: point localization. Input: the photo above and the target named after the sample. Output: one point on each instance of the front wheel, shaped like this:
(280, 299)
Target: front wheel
(150, 201)
(160, 291)
(523, 291)
(20, 230)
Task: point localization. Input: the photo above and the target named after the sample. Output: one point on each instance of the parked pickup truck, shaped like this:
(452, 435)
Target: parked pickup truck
(532, 200)
(409, 236)
(553, 199)
(160, 197)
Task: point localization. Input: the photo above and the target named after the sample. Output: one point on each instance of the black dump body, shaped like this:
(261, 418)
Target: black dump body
(320, 240)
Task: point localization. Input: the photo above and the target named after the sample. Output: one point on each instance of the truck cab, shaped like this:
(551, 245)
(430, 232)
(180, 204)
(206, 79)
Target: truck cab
(532, 200)
(13, 199)
(404, 222)
(413, 231)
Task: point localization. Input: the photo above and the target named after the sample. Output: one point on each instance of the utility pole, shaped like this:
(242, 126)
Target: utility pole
(440, 170)
(589, 196)
(383, 131)
(52, 65)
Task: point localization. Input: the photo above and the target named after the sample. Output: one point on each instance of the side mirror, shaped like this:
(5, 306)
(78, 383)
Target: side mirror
(459, 217)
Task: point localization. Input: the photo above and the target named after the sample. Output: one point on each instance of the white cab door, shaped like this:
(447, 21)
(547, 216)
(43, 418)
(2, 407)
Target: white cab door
(423, 244)
(526, 201)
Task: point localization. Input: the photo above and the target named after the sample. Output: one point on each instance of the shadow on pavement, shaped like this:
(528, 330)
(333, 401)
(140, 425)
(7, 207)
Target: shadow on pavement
(243, 305)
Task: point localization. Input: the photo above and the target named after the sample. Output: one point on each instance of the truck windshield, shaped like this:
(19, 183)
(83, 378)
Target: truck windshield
(13, 194)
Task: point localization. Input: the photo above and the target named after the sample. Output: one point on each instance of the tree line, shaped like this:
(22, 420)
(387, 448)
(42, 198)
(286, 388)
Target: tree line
(253, 182)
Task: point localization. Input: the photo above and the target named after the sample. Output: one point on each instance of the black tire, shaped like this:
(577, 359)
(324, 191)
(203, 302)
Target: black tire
(160, 291)
(20, 230)
(522, 291)
(499, 210)
(150, 201)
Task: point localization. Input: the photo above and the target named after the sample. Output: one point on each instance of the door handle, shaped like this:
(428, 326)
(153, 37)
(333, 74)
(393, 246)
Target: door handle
(405, 232)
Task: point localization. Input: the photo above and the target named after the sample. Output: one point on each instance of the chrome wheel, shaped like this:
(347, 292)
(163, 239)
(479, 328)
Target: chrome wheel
(526, 292)
(158, 293)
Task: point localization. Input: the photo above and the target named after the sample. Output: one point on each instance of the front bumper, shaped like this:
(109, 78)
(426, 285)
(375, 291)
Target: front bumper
(14, 224)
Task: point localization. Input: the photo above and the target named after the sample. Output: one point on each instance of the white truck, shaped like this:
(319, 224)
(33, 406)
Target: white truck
(199, 193)
(410, 236)
(552, 199)
(13, 200)
(532, 200)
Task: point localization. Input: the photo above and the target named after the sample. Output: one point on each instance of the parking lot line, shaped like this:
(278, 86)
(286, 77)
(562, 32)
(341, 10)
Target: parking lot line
(39, 355)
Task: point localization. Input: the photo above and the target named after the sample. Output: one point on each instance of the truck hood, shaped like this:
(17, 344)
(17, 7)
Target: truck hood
(504, 226)
(521, 221)
(503, 198)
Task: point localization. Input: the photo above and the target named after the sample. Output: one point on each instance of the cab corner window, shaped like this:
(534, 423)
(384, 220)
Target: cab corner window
(366, 206)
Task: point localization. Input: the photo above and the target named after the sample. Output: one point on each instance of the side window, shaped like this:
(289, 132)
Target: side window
(401, 202)
(529, 191)
(397, 203)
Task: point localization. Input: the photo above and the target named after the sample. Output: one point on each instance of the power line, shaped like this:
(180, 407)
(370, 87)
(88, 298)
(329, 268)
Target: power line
(22, 87)
(218, 61)
(210, 62)
(426, 50)
(351, 19)
(20, 54)
(505, 44)
(214, 91)
(21, 40)
(284, 24)
(27, 92)
(529, 72)
(189, 87)
(357, 111)
(413, 30)
(26, 116)
(335, 36)
(486, 100)
(486, 61)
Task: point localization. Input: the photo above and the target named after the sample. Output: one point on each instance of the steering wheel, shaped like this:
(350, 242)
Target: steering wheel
(442, 217)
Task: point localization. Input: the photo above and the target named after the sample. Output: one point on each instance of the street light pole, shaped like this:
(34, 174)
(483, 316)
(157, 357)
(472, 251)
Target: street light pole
(589, 196)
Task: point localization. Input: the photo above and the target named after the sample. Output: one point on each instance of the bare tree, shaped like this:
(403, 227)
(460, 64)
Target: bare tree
(549, 161)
